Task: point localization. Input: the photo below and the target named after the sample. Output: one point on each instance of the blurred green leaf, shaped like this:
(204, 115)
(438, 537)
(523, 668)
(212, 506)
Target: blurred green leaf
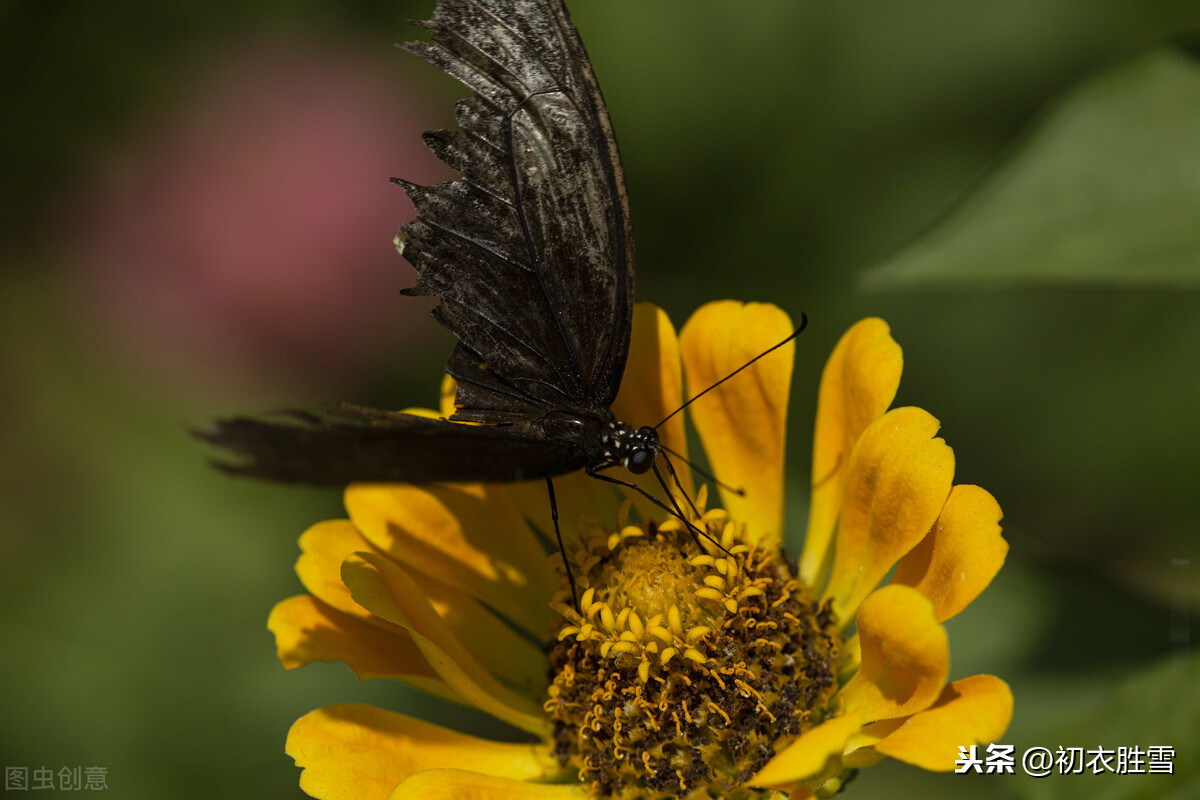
(1158, 706)
(1105, 191)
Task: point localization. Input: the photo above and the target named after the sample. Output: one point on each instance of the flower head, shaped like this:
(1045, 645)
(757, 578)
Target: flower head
(700, 660)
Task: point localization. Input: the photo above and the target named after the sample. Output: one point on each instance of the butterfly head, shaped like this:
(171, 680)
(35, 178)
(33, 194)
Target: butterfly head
(632, 449)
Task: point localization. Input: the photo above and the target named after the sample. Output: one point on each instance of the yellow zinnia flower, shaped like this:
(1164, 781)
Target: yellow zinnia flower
(688, 670)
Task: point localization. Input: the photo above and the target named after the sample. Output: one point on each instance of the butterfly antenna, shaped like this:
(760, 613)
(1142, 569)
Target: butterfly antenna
(694, 398)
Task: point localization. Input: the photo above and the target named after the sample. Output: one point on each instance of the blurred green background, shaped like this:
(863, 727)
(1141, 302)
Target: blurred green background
(196, 221)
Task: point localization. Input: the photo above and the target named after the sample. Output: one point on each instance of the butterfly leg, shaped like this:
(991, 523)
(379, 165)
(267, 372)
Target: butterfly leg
(692, 528)
(696, 511)
(678, 485)
(561, 550)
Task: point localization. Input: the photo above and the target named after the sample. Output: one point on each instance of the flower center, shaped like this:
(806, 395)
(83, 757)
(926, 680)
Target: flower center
(685, 669)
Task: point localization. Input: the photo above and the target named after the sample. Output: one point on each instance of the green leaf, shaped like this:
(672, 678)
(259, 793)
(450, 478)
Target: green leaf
(1105, 191)
(1158, 706)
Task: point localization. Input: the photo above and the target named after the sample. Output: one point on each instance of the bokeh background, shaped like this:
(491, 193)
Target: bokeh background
(195, 220)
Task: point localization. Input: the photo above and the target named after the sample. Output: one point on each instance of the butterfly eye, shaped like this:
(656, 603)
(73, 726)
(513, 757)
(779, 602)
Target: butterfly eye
(640, 461)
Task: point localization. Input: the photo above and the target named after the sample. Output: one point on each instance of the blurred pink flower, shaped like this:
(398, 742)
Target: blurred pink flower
(246, 238)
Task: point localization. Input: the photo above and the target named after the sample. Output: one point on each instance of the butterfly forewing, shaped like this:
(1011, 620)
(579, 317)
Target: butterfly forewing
(530, 255)
(530, 251)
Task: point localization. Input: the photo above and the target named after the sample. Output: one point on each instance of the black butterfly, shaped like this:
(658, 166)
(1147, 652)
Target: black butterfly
(530, 254)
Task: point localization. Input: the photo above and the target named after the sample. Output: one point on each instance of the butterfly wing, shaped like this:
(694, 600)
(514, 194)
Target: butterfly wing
(530, 252)
(352, 443)
(530, 255)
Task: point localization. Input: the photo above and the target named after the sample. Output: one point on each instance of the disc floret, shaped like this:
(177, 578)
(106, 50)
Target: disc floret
(685, 668)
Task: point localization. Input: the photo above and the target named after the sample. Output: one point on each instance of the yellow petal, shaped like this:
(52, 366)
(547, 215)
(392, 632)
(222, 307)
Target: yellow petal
(469, 536)
(742, 423)
(497, 645)
(857, 386)
(897, 480)
(383, 587)
(507, 653)
(577, 496)
(811, 759)
(358, 751)
(905, 656)
(860, 752)
(461, 784)
(323, 548)
(975, 710)
(446, 396)
(652, 388)
(849, 659)
(960, 555)
(308, 630)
